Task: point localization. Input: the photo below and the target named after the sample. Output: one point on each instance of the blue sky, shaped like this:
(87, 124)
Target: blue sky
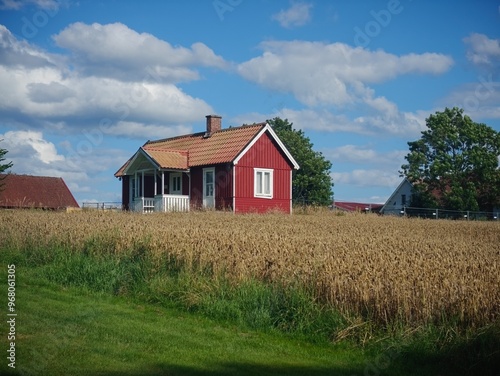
(83, 84)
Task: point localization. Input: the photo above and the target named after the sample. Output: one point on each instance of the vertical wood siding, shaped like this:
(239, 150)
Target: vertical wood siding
(265, 153)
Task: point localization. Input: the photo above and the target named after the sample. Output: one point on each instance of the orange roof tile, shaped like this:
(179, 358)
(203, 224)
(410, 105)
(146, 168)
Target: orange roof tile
(221, 147)
(169, 158)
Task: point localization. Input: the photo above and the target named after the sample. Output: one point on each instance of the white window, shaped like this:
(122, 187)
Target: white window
(263, 182)
(175, 183)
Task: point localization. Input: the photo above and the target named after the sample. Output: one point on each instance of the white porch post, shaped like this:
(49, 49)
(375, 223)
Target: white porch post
(155, 184)
(142, 184)
(163, 182)
(136, 188)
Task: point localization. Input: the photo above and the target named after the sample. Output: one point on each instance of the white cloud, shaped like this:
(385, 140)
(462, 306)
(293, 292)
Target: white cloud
(332, 74)
(366, 155)
(407, 124)
(32, 144)
(79, 166)
(19, 4)
(367, 178)
(114, 50)
(146, 131)
(482, 51)
(297, 15)
(18, 53)
(43, 89)
(480, 100)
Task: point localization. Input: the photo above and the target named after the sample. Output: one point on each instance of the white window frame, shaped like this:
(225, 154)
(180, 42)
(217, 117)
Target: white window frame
(173, 177)
(259, 189)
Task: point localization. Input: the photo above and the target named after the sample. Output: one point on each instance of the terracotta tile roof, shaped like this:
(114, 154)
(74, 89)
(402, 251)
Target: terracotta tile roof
(222, 146)
(26, 191)
(176, 159)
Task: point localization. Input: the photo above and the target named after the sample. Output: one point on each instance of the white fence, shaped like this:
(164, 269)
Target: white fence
(161, 203)
(117, 206)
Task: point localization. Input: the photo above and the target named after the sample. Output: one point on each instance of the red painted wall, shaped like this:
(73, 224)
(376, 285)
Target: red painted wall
(196, 187)
(265, 153)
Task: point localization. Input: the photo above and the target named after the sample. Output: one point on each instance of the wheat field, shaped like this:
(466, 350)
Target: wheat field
(384, 268)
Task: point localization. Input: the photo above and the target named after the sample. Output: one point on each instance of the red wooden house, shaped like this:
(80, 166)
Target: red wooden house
(242, 169)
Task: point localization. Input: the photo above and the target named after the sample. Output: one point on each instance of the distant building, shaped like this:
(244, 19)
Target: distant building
(399, 199)
(37, 192)
(357, 207)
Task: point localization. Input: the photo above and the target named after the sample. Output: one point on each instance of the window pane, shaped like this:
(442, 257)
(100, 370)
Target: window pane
(267, 183)
(259, 182)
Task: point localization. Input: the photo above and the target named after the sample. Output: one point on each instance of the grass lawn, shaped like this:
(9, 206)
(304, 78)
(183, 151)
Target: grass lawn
(68, 331)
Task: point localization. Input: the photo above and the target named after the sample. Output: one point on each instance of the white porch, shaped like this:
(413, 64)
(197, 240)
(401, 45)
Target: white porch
(160, 203)
(155, 187)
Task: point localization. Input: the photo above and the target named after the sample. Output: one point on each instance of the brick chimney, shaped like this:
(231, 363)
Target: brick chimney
(214, 123)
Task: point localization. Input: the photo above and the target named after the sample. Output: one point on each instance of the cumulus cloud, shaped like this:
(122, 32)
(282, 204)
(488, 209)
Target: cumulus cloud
(483, 51)
(114, 50)
(20, 54)
(32, 154)
(297, 15)
(19, 4)
(365, 154)
(332, 74)
(30, 143)
(367, 178)
(341, 76)
(44, 88)
(480, 99)
(146, 131)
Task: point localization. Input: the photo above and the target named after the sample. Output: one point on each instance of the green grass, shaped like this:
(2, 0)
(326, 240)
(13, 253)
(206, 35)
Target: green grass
(71, 331)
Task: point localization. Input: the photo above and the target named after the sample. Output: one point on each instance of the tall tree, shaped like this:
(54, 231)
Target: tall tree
(311, 184)
(3, 166)
(455, 164)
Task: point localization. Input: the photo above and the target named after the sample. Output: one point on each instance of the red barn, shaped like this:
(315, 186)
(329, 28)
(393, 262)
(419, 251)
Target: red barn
(242, 169)
(35, 192)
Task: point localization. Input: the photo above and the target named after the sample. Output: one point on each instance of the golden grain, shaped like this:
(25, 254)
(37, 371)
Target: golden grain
(387, 268)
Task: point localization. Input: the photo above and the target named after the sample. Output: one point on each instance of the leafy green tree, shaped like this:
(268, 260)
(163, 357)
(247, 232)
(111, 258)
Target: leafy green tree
(311, 184)
(454, 165)
(3, 166)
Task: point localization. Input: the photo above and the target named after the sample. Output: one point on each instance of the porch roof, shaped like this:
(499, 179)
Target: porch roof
(175, 159)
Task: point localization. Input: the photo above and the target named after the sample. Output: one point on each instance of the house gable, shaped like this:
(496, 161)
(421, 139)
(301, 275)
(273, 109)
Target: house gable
(393, 204)
(275, 138)
(263, 156)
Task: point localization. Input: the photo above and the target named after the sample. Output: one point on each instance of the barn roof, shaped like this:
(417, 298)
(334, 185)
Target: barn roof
(356, 206)
(27, 191)
(201, 149)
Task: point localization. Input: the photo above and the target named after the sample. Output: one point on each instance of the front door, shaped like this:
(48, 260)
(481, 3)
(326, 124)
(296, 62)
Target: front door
(175, 183)
(208, 187)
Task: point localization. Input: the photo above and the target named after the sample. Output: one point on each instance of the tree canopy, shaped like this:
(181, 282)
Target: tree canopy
(3, 166)
(455, 164)
(312, 183)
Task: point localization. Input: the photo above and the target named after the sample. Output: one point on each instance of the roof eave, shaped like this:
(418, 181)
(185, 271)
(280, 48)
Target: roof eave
(137, 153)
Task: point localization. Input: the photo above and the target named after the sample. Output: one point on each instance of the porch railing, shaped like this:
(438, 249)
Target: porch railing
(161, 203)
(143, 204)
(169, 203)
